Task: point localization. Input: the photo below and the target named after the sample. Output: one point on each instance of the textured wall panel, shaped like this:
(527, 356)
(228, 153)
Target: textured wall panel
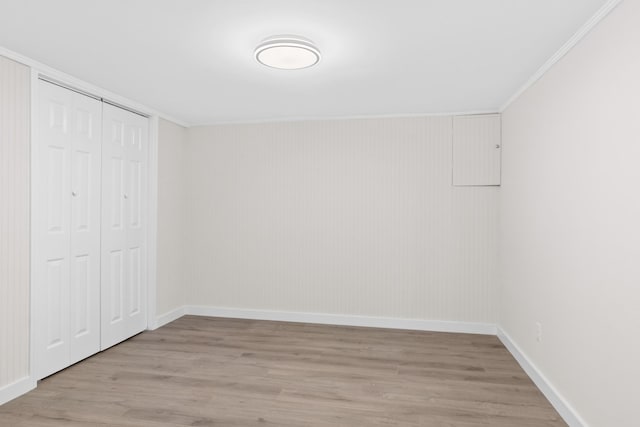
(171, 287)
(345, 217)
(14, 221)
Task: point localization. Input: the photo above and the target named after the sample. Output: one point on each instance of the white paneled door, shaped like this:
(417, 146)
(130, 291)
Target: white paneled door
(66, 281)
(89, 227)
(124, 219)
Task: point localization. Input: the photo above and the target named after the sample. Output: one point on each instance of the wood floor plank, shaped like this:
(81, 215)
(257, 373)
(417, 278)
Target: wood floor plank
(200, 371)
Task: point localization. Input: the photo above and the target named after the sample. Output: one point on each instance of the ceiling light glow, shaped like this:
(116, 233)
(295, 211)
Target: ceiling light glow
(287, 52)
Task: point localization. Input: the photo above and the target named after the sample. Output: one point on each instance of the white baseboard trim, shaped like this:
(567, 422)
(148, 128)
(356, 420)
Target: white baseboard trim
(16, 389)
(565, 410)
(169, 317)
(346, 320)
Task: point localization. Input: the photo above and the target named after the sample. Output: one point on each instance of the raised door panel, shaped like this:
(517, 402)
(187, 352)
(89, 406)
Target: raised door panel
(136, 221)
(114, 284)
(56, 327)
(124, 272)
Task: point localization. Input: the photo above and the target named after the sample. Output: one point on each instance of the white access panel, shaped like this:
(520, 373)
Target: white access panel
(124, 223)
(66, 282)
(476, 150)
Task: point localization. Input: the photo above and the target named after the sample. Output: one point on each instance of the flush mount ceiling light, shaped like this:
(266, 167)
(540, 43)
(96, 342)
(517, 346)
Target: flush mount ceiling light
(287, 52)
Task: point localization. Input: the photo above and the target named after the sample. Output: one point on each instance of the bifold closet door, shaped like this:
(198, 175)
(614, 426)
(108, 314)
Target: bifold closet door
(66, 203)
(124, 223)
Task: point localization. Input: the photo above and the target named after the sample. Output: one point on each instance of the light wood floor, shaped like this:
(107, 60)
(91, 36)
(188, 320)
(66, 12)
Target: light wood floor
(200, 371)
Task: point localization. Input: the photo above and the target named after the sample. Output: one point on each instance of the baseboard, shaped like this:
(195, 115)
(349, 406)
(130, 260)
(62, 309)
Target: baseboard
(16, 389)
(346, 320)
(169, 316)
(565, 410)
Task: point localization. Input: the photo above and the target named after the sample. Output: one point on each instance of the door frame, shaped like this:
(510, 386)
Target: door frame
(71, 83)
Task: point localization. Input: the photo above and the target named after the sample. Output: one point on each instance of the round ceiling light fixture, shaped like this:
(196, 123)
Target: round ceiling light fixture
(287, 52)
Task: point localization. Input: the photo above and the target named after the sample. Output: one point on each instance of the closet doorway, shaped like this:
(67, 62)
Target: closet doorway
(90, 198)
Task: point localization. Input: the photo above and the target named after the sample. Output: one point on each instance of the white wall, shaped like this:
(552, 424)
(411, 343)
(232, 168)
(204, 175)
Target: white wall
(14, 224)
(171, 286)
(352, 217)
(570, 222)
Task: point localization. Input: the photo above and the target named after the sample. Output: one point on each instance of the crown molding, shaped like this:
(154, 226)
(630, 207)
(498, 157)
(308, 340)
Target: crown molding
(83, 86)
(294, 119)
(570, 44)
(582, 32)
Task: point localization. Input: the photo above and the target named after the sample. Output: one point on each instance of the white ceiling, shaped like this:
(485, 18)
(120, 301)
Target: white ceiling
(193, 59)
